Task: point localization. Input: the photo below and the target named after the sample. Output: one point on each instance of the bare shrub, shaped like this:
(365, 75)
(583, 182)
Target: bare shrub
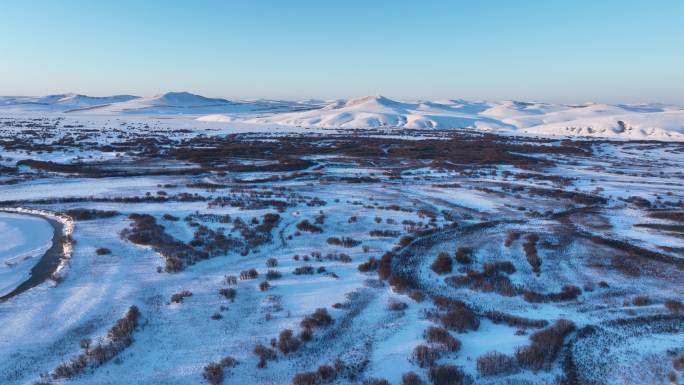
(271, 262)
(641, 300)
(326, 373)
(273, 275)
(530, 247)
(385, 266)
(674, 305)
(495, 363)
(306, 378)
(417, 296)
(249, 274)
(213, 372)
(263, 286)
(303, 270)
(265, 354)
(229, 293)
(231, 280)
(411, 378)
(344, 242)
(545, 346)
(511, 237)
(375, 381)
(396, 306)
(287, 342)
(443, 264)
(447, 375)
(424, 356)
(102, 251)
(305, 225)
(464, 255)
(318, 319)
(178, 297)
(370, 265)
(441, 336)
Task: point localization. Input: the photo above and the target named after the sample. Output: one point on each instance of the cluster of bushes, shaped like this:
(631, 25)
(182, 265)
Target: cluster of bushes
(323, 375)
(228, 293)
(490, 279)
(249, 274)
(305, 225)
(214, 372)
(448, 375)
(464, 255)
(567, 293)
(384, 233)
(302, 270)
(370, 265)
(145, 231)
(511, 237)
(454, 314)
(178, 297)
(102, 251)
(81, 214)
(119, 337)
(545, 345)
(530, 247)
(442, 264)
(441, 336)
(516, 321)
(344, 242)
(265, 354)
(495, 363)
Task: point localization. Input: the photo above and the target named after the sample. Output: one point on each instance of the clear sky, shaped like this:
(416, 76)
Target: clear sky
(552, 50)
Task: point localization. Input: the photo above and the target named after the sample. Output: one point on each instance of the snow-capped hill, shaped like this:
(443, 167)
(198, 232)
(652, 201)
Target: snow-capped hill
(184, 99)
(61, 102)
(380, 111)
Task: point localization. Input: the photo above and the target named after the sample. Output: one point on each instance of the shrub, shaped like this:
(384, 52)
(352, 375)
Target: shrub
(447, 375)
(417, 296)
(263, 286)
(318, 319)
(397, 306)
(443, 264)
(530, 247)
(103, 251)
(265, 354)
(229, 293)
(303, 270)
(81, 214)
(306, 378)
(249, 274)
(641, 300)
(674, 305)
(545, 345)
(178, 297)
(441, 336)
(375, 381)
(213, 373)
(511, 237)
(464, 255)
(424, 356)
(344, 242)
(399, 283)
(370, 265)
(231, 280)
(385, 266)
(495, 363)
(305, 225)
(411, 378)
(287, 342)
(326, 373)
(271, 262)
(273, 275)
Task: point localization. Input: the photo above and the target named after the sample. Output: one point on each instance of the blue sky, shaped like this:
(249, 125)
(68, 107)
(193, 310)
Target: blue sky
(553, 50)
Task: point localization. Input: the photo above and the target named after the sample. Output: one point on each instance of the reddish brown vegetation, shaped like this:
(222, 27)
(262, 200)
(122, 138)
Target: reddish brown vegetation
(443, 264)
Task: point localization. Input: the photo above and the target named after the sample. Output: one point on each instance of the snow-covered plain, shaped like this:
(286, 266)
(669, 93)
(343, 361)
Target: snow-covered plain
(605, 221)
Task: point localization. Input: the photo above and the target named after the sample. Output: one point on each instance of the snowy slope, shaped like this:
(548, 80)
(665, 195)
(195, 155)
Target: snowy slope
(60, 102)
(653, 121)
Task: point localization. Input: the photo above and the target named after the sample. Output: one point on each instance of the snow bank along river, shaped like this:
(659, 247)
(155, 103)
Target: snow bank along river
(24, 240)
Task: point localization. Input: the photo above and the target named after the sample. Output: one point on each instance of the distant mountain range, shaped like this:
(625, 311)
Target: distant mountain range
(644, 121)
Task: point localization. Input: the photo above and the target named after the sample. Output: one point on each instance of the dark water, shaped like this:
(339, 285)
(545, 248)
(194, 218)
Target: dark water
(47, 264)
